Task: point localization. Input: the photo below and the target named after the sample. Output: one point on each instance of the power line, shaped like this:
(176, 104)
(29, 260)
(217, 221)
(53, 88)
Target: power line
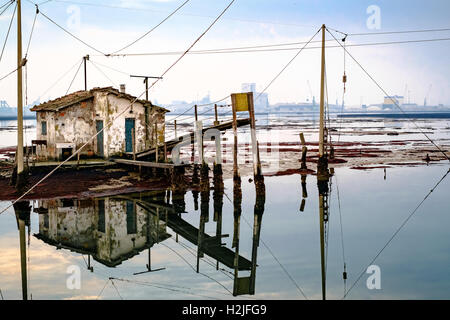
(386, 94)
(70, 33)
(32, 29)
(284, 68)
(391, 32)
(7, 4)
(9, 29)
(237, 50)
(74, 77)
(8, 74)
(59, 79)
(104, 74)
(194, 43)
(148, 32)
(397, 231)
(107, 281)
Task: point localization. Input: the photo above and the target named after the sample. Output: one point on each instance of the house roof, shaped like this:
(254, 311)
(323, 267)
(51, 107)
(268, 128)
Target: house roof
(82, 95)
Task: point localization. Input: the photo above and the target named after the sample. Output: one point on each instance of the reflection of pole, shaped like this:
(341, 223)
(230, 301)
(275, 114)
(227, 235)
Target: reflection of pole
(23, 259)
(323, 178)
(218, 205)
(22, 210)
(258, 213)
(237, 206)
(322, 245)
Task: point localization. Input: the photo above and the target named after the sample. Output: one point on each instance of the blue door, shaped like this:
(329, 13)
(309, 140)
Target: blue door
(99, 125)
(129, 126)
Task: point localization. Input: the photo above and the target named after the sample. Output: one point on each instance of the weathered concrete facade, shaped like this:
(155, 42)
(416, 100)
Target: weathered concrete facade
(67, 123)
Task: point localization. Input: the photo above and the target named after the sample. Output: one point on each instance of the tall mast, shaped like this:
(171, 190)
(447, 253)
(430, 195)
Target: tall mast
(322, 172)
(19, 155)
(322, 94)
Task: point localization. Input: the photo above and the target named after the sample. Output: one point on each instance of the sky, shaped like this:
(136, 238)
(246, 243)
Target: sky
(416, 70)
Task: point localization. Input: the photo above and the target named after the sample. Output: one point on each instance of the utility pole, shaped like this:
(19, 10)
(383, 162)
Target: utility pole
(19, 154)
(146, 110)
(145, 82)
(85, 58)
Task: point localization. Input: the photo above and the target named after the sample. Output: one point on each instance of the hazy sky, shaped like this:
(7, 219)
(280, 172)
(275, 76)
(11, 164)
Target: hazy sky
(109, 25)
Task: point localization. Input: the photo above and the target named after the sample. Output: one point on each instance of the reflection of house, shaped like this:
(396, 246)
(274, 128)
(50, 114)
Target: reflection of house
(66, 123)
(110, 230)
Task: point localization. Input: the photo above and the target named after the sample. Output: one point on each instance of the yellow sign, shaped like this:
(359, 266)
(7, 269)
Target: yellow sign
(240, 101)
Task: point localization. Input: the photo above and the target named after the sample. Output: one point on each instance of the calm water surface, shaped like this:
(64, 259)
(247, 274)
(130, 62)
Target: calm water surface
(112, 235)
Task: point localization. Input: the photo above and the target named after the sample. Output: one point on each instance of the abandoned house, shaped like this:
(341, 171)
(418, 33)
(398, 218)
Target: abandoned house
(67, 123)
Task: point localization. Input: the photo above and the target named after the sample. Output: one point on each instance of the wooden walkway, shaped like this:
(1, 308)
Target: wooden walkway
(149, 164)
(191, 136)
(210, 245)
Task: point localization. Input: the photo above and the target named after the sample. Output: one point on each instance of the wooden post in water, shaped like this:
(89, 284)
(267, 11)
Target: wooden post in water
(175, 128)
(304, 151)
(216, 117)
(255, 151)
(199, 137)
(235, 146)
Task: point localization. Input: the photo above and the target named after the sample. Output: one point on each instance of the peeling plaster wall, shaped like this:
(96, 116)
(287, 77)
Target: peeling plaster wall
(77, 227)
(73, 125)
(77, 124)
(115, 108)
(71, 226)
(117, 242)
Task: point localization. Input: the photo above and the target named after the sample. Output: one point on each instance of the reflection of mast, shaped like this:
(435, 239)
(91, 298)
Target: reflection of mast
(246, 285)
(258, 213)
(218, 205)
(22, 210)
(204, 211)
(237, 210)
(150, 242)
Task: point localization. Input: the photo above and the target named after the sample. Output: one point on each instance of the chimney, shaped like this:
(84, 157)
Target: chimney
(122, 88)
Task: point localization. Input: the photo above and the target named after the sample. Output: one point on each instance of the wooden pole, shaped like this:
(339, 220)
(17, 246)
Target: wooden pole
(85, 73)
(322, 95)
(216, 116)
(199, 137)
(175, 128)
(196, 115)
(235, 162)
(251, 111)
(19, 155)
(304, 151)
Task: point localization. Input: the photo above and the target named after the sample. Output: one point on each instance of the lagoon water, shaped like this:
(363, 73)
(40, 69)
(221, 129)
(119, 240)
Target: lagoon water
(113, 234)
